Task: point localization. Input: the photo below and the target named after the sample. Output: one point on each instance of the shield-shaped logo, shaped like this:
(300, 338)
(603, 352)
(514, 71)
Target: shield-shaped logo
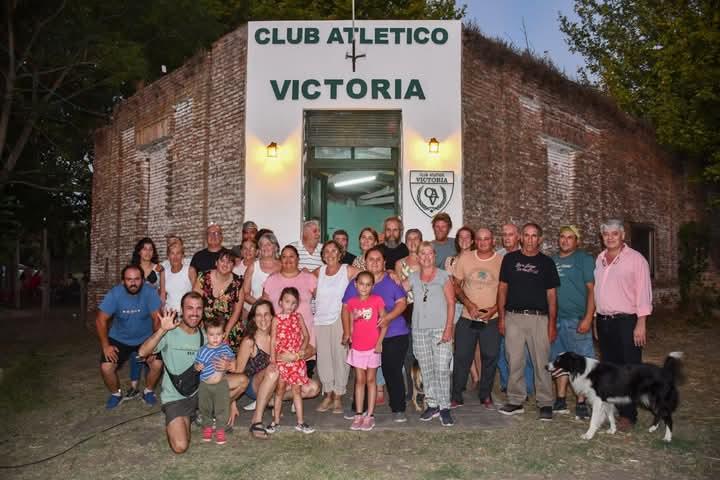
(431, 191)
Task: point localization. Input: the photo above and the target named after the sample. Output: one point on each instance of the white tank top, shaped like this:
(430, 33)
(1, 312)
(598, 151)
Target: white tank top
(240, 269)
(329, 294)
(258, 280)
(257, 283)
(176, 285)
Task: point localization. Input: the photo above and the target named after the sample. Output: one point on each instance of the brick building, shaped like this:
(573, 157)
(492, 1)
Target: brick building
(514, 141)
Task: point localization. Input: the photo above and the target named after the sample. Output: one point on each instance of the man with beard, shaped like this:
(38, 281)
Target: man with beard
(179, 347)
(134, 311)
(393, 248)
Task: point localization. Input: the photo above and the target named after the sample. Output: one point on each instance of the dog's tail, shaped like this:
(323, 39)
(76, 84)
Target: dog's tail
(673, 367)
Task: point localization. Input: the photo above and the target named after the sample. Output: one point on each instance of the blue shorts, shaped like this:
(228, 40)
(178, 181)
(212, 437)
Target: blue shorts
(569, 340)
(250, 391)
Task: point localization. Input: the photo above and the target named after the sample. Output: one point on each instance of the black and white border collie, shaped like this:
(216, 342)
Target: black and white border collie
(606, 385)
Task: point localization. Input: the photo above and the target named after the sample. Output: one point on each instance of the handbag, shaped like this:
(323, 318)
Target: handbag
(188, 382)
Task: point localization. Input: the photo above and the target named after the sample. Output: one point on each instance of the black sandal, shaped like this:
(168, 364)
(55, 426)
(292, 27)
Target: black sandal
(257, 430)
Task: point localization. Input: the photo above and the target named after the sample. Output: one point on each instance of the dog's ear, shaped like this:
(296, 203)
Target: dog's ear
(577, 363)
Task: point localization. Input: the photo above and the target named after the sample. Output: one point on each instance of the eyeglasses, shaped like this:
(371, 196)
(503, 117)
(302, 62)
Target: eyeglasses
(425, 292)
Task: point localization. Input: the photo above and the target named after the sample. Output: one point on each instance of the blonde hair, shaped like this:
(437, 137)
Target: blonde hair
(425, 243)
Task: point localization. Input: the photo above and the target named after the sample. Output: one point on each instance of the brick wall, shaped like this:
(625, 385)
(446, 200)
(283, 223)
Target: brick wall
(610, 169)
(171, 161)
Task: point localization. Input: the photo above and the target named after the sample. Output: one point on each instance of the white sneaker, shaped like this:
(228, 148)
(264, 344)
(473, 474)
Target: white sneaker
(250, 406)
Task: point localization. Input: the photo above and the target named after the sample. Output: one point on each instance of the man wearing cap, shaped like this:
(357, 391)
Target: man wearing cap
(623, 297)
(576, 307)
(309, 248)
(249, 230)
(205, 259)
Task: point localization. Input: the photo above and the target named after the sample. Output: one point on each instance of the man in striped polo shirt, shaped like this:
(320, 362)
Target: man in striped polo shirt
(309, 248)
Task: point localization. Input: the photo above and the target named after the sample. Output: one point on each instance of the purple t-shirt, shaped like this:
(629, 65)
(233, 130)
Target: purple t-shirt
(390, 292)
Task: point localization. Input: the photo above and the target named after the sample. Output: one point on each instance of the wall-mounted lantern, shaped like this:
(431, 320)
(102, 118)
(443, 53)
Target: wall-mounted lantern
(272, 150)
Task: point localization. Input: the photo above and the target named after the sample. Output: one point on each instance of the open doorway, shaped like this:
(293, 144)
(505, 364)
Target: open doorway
(351, 170)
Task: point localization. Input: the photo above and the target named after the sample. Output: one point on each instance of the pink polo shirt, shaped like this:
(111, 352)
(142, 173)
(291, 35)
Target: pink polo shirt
(623, 286)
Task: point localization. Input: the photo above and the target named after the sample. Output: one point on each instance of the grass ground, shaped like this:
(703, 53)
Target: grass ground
(51, 396)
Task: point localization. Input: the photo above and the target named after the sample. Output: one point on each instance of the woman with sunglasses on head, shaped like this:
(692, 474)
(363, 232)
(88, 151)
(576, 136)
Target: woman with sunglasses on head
(432, 332)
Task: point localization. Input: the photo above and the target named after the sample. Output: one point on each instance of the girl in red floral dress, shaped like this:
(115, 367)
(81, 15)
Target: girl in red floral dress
(289, 334)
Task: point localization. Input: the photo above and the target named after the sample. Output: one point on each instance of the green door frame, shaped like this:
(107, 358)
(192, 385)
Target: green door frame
(317, 184)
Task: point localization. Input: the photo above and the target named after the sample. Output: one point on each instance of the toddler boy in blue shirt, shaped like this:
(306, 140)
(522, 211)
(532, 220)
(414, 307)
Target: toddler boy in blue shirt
(214, 392)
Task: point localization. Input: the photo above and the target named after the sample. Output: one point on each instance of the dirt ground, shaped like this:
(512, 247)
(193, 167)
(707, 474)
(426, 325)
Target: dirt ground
(51, 396)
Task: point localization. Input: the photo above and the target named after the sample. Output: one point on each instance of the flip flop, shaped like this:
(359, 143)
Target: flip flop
(257, 430)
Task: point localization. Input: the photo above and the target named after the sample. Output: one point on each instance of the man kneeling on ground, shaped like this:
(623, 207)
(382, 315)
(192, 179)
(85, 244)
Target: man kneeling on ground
(125, 320)
(179, 341)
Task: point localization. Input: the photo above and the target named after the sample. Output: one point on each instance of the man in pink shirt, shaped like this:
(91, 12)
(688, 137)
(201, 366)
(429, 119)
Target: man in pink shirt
(623, 298)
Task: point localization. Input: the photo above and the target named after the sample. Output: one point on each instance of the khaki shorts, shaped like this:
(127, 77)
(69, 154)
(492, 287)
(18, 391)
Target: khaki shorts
(186, 407)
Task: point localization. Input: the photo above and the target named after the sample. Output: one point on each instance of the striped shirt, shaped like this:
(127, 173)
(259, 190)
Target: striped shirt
(308, 260)
(207, 355)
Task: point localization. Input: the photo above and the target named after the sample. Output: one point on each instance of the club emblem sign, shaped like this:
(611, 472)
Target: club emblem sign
(431, 191)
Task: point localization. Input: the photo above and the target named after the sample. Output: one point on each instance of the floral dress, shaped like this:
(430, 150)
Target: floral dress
(223, 304)
(289, 339)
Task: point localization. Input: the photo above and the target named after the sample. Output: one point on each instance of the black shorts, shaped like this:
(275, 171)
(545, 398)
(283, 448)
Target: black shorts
(123, 352)
(186, 407)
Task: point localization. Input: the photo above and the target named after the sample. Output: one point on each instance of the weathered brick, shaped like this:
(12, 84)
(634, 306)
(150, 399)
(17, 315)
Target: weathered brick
(191, 125)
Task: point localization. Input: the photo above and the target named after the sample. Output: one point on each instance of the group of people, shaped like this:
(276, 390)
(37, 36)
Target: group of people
(287, 324)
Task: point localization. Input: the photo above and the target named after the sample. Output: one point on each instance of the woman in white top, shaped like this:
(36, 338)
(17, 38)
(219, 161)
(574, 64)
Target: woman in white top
(267, 263)
(179, 275)
(245, 257)
(333, 370)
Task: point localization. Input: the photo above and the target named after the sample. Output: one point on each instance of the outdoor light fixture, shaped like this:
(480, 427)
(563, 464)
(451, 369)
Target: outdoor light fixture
(355, 181)
(272, 150)
(434, 145)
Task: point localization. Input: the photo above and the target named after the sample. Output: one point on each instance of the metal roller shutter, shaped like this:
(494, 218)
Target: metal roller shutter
(357, 128)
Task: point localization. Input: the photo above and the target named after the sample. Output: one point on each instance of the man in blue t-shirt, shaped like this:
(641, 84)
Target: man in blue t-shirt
(576, 307)
(125, 319)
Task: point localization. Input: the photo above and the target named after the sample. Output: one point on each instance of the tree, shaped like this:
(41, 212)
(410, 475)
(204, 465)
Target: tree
(64, 65)
(661, 61)
(364, 9)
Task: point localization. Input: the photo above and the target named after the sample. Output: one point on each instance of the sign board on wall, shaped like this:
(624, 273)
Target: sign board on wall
(412, 66)
(431, 191)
